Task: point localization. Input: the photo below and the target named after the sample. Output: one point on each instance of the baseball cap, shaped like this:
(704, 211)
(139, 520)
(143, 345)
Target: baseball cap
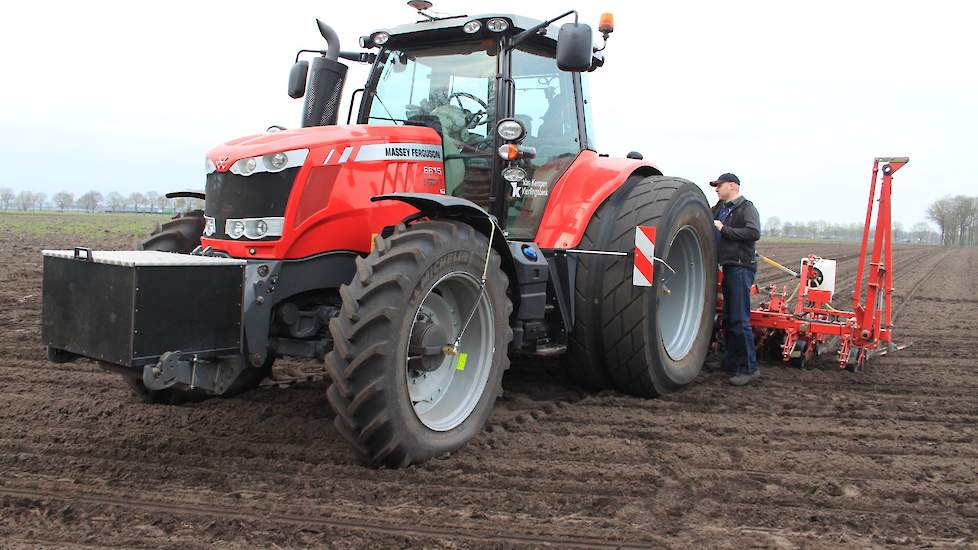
(728, 177)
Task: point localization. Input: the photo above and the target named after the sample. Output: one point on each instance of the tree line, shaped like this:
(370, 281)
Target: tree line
(956, 218)
(920, 232)
(93, 201)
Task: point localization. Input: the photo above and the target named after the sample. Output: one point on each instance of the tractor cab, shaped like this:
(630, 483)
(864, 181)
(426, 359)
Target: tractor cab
(511, 121)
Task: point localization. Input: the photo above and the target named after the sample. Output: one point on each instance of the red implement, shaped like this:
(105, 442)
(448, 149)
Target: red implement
(800, 331)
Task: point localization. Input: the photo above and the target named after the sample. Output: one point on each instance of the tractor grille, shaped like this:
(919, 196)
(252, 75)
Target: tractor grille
(259, 195)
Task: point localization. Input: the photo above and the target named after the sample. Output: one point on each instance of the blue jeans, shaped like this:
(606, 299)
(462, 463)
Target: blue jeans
(739, 356)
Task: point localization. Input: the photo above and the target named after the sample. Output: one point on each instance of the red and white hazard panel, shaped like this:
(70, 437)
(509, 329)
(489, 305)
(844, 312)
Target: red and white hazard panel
(643, 256)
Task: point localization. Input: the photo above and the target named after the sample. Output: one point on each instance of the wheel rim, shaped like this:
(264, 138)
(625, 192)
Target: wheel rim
(442, 394)
(680, 309)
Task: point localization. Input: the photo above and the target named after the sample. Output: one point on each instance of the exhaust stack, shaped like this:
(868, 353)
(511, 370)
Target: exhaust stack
(327, 76)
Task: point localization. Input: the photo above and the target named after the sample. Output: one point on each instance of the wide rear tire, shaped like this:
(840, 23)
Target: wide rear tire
(397, 405)
(586, 361)
(648, 341)
(180, 235)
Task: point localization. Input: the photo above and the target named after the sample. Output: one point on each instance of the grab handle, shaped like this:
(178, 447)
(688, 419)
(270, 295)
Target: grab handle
(84, 254)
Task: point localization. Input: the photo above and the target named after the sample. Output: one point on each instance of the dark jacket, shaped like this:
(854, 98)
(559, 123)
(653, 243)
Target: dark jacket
(741, 230)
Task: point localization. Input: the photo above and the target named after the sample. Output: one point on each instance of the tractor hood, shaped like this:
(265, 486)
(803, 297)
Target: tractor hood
(288, 194)
(225, 155)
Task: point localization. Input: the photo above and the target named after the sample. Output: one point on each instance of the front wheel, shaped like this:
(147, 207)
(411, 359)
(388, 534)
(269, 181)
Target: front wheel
(401, 391)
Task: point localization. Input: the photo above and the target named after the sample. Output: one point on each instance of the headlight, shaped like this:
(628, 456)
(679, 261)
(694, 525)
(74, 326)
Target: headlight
(472, 27)
(209, 166)
(274, 162)
(381, 38)
(235, 228)
(514, 173)
(510, 129)
(254, 228)
(497, 25)
(245, 167)
(209, 226)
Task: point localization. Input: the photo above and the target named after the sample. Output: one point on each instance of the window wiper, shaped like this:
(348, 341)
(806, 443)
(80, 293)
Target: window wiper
(374, 93)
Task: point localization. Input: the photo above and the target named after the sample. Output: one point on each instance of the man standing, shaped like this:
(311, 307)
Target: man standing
(738, 227)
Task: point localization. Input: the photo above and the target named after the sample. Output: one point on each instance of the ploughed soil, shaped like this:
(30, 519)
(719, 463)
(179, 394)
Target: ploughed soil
(818, 458)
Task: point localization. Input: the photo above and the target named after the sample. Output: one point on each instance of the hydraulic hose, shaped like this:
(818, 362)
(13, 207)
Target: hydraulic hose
(776, 265)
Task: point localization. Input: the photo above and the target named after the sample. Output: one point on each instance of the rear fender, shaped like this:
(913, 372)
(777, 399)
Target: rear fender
(583, 187)
(456, 208)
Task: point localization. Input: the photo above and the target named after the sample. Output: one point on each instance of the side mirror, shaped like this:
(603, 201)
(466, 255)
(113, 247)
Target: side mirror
(574, 47)
(297, 79)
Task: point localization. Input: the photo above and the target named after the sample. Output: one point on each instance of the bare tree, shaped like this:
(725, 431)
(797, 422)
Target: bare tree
(90, 201)
(136, 199)
(152, 199)
(899, 234)
(39, 200)
(919, 231)
(7, 196)
(25, 200)
(773, 226)
(964, 215)
(956, 218)
(940, 212)
(63, 200)
(115, 201)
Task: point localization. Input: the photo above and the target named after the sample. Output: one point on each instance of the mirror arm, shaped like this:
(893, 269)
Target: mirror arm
(536, 28)
(604, 44)
(300, 52)
(362, 57)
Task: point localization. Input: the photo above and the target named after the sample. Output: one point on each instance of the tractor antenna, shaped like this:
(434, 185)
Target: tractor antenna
(421, 6)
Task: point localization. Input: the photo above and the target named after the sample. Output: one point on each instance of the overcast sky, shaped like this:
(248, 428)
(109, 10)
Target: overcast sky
(795, 98)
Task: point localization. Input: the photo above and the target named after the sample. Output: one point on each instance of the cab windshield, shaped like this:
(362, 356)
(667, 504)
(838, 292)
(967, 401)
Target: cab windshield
(451, 89)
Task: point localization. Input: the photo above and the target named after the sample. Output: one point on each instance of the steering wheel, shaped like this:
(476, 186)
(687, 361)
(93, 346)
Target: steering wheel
(471, 119)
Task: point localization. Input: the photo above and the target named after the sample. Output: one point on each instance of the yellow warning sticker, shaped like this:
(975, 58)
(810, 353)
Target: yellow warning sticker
(462, 358)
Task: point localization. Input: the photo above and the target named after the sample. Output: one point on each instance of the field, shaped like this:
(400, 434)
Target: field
(819, 458)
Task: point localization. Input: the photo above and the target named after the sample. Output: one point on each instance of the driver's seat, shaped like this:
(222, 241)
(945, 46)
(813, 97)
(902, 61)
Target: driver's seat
(451, 122)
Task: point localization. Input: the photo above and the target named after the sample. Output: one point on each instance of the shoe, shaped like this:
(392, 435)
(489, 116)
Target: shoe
(744, 379)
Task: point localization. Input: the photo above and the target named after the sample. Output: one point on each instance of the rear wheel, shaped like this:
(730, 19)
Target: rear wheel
(181, 235)
(399, 395)
(649, 341)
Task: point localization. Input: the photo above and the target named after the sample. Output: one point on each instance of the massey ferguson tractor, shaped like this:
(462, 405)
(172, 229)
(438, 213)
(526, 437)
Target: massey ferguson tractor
(464, 219)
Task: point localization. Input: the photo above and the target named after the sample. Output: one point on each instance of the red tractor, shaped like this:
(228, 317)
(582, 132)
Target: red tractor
(465, 218)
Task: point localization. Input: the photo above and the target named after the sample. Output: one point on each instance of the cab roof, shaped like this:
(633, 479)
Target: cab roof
(450, 29)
